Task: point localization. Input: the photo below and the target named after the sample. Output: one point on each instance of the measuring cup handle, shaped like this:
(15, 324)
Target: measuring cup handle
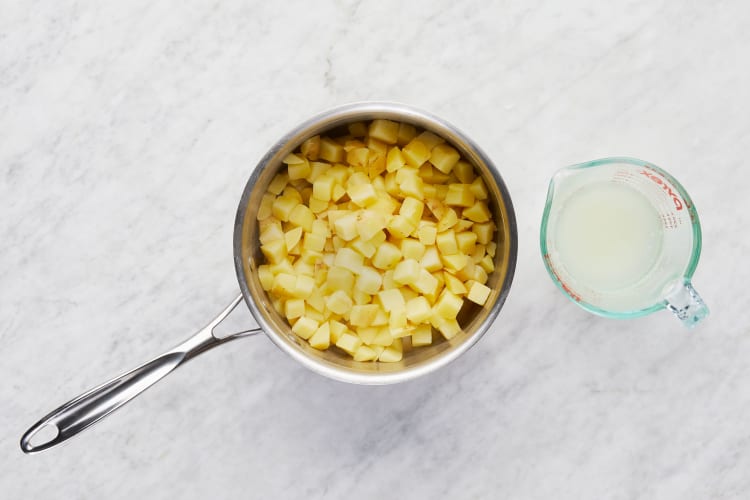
(686, 304)
(95, 404)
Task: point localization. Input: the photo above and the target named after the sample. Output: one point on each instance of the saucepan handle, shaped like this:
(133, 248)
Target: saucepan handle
(95, 404)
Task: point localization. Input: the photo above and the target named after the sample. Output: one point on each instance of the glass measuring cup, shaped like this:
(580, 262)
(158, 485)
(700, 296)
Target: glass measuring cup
(621, 238)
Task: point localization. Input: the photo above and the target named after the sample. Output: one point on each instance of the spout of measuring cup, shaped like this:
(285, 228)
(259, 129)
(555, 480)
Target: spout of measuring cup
(686, 304)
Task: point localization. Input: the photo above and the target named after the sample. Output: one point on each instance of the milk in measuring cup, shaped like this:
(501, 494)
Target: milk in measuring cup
(608, 236)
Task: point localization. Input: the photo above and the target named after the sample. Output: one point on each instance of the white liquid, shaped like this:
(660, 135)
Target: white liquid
(608, 236)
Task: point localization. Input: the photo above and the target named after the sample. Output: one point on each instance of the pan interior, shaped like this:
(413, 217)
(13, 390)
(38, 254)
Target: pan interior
(333, 362)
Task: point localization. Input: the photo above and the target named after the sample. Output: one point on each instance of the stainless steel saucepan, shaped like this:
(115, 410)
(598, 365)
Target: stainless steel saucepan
(90, 407)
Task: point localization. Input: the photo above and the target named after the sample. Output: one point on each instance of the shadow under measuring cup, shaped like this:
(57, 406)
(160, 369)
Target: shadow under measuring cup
(621, 237)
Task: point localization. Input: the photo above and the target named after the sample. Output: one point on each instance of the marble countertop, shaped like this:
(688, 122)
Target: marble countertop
(127, 132)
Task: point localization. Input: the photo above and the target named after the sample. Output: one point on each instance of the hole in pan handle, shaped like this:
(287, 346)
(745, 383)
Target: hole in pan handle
(95, 404)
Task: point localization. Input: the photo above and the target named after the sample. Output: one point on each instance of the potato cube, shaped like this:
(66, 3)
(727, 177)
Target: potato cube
(323, 188)
(338, 192)
(362, 194)
(416, 153)
(331, 151)
(427, 234)
(379, 238)
(446, 243)
(444, 157)
(392, 300)
(357, 129)
(421, 335)
(293, 193)
(274, 251)
(381, 318)
(412, 249)
(348, 342)
(478, 293)
(337, 329)
(265, 276)
(455, 285)
(479, 189)
(367, 333)
(406, 272)
(491, 249)
(278, 183)
(387, 256)
(408, 293)
(314, 242)
(302, 216)
(282, 207)
(321, 339)
(361, 298)
(391, 355)
(304, 286)
(358, 157)
(406, 133)
(459, 195)
(400, 227)
(397, 323)
(431, 259)
(265, 210)
(346, 226)
(449, 219)
(487, 264)
(369, 222)
(412, 209)
(464, 171)
(388, 283)
(366, 248)
(369, 280)
(311, 148)
(418, 310)
(305, 327)
(384, 130)
(383, 337)
(462, 225)
(284, 266)
(317, 302)
(394, 160)
(365, 353)
(426, 283)
(478, 212)
(349, 259)
(339, 278)
(448, 327)
(412, 186)
(484, 232)
(292, 237)
(318, 206)
(448, 305)
(455, 262)
(363, 315)
(299, 170)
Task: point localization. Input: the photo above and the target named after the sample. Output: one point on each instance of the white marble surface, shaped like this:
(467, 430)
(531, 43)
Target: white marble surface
(127, 130)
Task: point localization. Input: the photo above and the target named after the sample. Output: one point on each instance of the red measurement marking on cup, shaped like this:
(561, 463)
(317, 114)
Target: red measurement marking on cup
(564, 286)
(664, 185)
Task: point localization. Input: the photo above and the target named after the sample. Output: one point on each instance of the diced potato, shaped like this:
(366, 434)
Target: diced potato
(394, 160)
(387, 256)
(478, 212)
(305, 327)
(444, 157)
(363, 315)
(406, 133)
(369, 280)
(448, 305)
(365, 353)
(429, 139)
(464, 171)
(446, 243)
(339, 278)
(431, 259)
(384, 130)
(416, 153)
(412, 209)
(418, 310)
(311, 148)
(459, 195)
(321, 339)
(353, 259)
(348, 342)
(406, 272)
(421, 336)
(331, 151)
(274, 251)
(478, 293)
